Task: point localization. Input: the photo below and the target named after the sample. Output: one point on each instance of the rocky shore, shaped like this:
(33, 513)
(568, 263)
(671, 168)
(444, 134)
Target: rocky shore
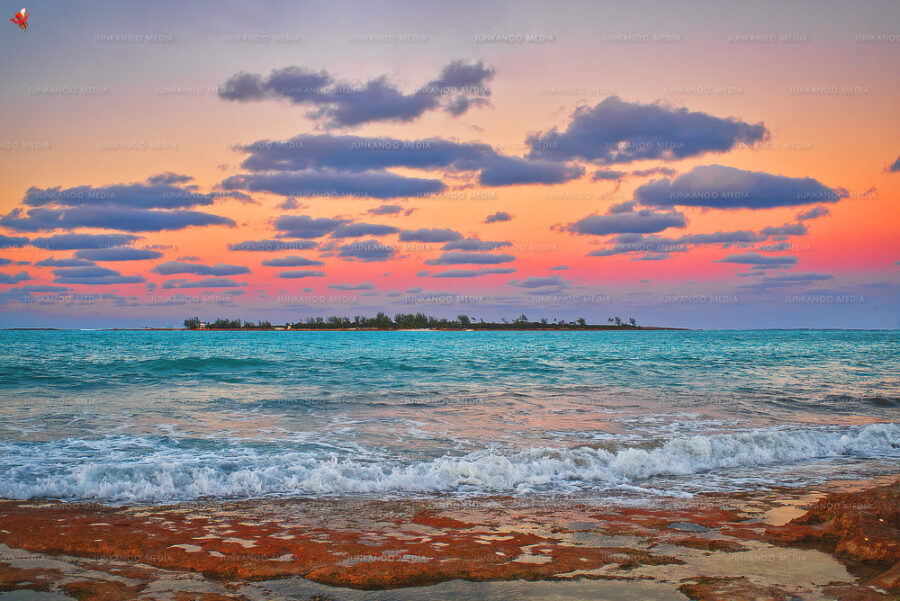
(777, 545)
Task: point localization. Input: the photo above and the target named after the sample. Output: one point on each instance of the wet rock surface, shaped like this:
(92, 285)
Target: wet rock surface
(860, 526)
(722, 547)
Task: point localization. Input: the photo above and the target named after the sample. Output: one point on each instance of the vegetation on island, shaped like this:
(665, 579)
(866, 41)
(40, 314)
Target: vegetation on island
(412, 321)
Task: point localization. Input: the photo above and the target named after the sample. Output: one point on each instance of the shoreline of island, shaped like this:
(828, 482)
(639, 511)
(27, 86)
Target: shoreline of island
(834, 540)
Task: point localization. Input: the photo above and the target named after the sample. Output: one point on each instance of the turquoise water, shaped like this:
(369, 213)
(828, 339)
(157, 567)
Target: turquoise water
(161, 416)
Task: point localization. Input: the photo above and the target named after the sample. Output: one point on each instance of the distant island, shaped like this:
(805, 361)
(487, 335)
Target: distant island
(416, 321)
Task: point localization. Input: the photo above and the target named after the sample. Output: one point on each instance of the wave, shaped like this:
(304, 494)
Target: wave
(129, 469)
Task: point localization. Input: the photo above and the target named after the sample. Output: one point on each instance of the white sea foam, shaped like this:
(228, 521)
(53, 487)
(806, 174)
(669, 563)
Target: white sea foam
(135, 469)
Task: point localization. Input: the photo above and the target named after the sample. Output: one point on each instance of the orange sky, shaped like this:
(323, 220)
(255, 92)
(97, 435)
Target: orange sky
(124, 95)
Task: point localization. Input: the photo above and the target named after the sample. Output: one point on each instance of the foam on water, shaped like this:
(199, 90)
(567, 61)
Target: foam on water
(158, 469)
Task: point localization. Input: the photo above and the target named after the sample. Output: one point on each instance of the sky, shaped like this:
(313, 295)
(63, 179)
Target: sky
(691, 164)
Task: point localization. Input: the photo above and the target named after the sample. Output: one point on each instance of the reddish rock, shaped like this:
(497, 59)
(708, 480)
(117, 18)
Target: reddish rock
(862, 526)
(890, 579)
(732, 589)
(846, 591)
(92, 590)
(37, 579)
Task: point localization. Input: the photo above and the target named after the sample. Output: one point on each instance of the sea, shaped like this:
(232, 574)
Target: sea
(155, 417)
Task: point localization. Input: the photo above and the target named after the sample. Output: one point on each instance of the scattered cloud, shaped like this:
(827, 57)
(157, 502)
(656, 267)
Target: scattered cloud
(621, 221)
(271, 245)
(356, 230)
(498, 217)
(93, 276)
(615, 131)
(83, 241)
(813, 213)
(330, 182)
(206, 283)
(301, 274)
(462, 258)
(292, 261)
(469, 273)
(720, 187)
(429, 235)
(759, 261)
(554, 281)
(348, 287)
(219, 269)
(121, 253)
(459, 86)
(474, 244)
(22, 276)
(304, 226)
(368, 252)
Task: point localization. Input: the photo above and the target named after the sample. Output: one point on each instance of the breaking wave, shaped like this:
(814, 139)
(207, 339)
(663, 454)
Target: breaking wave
(135, 469)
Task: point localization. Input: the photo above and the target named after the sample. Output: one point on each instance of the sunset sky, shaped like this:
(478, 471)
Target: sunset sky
(702, 164)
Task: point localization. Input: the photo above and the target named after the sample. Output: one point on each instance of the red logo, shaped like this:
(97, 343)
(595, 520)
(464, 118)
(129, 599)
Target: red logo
(21, 19)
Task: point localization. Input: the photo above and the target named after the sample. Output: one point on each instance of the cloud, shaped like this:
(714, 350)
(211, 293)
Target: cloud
(219, 269)
(83, 241)
(22, 276)
(106, 217)
(360, 154)
(12, 241)
(759, 261)
(510, 171)
(122, 253)
(429, 235)
(93, 276)
(559, 268)
(474, 244)
(386, 210)
(206, 283)
(292, 261)
(787, 279)
(301, 274)
(895, 166)
(813, 213)
(157, 192)
(540, 282)
(355, 230)
(271, 245)
(610, 175)
(169, 177)
(720, 237)
(290, 203)
(651, 244)
(304, 226)
(462, 258)
(358, 157)
(329, 182)
(623, 221)
(363, 286)
(616, 131)
(498, 217)
(788, 229)
(470, 273)
(721, 187)
(368, 251)
(459, 86)
(54, 262)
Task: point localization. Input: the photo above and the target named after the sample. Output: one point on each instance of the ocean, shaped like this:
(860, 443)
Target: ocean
(164, 416)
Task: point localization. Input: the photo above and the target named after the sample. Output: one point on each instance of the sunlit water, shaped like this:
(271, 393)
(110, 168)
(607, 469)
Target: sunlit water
(163, 416)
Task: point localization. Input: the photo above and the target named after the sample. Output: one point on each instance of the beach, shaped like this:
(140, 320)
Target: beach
(449, 465)
(760, 546)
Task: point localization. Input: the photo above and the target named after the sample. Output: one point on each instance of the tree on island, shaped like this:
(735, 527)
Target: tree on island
(411, 321)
